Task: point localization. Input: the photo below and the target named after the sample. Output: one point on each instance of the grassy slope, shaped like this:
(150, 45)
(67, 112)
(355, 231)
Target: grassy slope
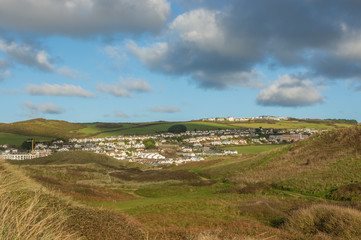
(78, 157)
(29, 210)
(41, 127)
(316, 166)
(15, 139)
(252, 149)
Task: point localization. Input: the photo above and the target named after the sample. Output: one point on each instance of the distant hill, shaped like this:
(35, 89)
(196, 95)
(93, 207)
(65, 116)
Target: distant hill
(42, 127)
(62, 129)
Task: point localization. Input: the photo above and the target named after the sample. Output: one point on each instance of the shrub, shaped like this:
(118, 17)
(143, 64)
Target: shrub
(178, 128)
(332, 220)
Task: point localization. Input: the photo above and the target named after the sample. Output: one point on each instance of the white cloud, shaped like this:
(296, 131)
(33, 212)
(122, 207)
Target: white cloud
(45, 108)
(152, 56)
(350, 46)
(199, 46)
(120, 114)
(167, 109)
(125, 87)
(32, 57)
(58, 90)
(115, 90)
(201, 27)
(288, 91)
(216, 44)
(137, 85)
(83, 18)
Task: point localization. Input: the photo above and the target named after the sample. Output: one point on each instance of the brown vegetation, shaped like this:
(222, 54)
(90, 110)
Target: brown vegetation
(135, 174)
(23, 214)
(331, 222)
(95, 224)
(82, 192)
(349, 192)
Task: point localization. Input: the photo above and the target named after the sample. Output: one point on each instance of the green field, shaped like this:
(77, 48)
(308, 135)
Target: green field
(252, 149)
(102, 130)
(17, 140)
(290, 125)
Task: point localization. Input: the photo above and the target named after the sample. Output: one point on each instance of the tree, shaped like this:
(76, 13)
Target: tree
(26, 145)
(149, 143)
(178, 128)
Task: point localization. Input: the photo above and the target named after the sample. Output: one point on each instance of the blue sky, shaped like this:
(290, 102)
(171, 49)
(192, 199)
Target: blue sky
(149, 60)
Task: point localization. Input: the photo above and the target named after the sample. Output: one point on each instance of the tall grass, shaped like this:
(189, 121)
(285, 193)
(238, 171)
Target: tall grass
(333, 221)
(23, 215)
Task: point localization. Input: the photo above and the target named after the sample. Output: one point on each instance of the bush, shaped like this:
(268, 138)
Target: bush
(149, 143)
(178, 128)
(331, 220)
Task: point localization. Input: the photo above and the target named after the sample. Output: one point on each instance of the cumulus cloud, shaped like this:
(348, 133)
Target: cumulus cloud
(58, 90)
(32, 57)
(119, 114)
(289, 91)
(199, 47)
(44, 108)
(83, 18)
(167, 109)
(217, 48)
(125, 87)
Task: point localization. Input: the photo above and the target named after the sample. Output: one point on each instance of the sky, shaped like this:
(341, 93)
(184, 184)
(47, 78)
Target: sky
(179, 60)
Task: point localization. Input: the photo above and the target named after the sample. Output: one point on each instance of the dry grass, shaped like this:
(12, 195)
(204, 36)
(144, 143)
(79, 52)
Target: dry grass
(326, 220)
(314, 166)
(24, 216)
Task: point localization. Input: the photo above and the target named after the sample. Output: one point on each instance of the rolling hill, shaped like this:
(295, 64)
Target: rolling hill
(42, 129)
(306, 190)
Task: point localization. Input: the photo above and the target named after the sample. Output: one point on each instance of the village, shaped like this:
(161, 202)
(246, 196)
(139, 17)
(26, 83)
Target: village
(164, 148)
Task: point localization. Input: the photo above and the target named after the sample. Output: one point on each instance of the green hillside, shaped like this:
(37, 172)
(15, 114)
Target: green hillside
(317, 166)
(78, 157)
(41, 127)
(16, 139)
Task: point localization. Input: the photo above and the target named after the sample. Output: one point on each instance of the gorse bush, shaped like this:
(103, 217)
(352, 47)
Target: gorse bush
(334, 221)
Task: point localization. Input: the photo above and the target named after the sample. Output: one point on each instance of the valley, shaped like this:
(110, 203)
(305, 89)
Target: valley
(306, 190)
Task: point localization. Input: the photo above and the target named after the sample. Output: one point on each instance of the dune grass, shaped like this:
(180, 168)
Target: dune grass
(331, 221)
(23, 214)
